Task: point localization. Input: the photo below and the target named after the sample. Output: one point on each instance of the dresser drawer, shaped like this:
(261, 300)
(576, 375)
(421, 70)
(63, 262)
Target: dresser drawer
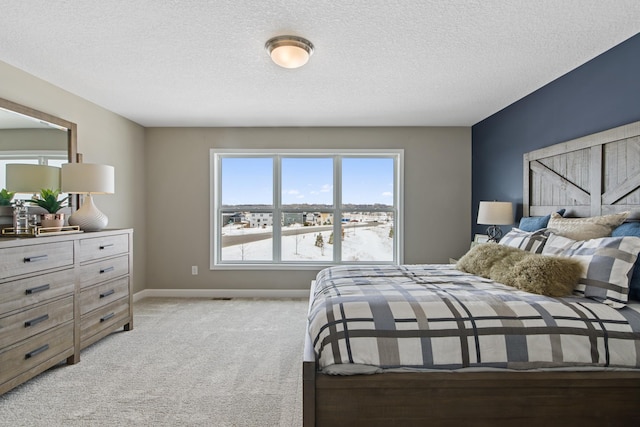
(102, 247)
(23, 293)
(28, 323)
(34, 258)
(36, 350)
(95, 297)
(103, 318)
(101, 271)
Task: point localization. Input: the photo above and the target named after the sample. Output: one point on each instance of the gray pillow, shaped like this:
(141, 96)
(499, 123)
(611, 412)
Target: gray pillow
(631, 229)
(608, 264)
(528, 241)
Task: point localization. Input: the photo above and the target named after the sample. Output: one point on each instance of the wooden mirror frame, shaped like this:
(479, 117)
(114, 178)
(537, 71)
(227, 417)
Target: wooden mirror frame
(72, 131)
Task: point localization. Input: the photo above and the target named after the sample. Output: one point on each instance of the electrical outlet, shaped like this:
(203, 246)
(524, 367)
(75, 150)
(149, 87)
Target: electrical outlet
(194, 270)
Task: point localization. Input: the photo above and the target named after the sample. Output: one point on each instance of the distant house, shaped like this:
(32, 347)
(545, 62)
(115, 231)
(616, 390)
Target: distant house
(236, 218)
(325, 218)
(259, 219)
(289, 218)
(309, 218)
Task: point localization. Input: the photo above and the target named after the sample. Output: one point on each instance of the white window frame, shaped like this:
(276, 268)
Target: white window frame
(215, 156)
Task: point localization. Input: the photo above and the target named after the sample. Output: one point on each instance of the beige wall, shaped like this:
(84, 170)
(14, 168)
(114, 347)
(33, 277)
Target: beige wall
(162, 185)
(437, 197)
(103, 137)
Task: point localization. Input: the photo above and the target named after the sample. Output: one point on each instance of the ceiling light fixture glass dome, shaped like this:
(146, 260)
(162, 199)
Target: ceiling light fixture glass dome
(289, 51)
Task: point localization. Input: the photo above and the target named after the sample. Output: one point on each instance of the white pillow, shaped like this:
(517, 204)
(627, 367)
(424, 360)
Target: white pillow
(608, 265)
(586, 228)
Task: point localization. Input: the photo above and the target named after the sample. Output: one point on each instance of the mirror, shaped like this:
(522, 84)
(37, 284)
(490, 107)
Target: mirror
(31, 136)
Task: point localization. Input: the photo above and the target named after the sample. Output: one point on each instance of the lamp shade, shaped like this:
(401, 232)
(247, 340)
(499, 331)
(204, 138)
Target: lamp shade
(88, 178)
(24, 178)
(495, 213)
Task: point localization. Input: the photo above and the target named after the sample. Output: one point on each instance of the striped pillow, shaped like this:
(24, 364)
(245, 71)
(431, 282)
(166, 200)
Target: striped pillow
(525, 240)
(608, 265)
(631, 229)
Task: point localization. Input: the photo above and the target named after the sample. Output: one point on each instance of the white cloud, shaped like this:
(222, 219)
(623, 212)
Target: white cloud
(387, 194)
(326, 188)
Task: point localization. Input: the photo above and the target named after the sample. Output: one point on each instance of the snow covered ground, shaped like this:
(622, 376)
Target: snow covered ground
(368, 243)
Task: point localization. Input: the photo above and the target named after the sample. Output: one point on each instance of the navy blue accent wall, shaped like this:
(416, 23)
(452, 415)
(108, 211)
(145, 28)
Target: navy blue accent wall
(600, 94)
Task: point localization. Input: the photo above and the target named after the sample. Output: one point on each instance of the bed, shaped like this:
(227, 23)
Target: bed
(580, 366)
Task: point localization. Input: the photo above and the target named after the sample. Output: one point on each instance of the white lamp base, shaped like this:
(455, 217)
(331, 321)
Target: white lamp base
(89, 217)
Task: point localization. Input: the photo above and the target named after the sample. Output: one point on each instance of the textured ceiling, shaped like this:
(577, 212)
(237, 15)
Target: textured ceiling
(376, 63)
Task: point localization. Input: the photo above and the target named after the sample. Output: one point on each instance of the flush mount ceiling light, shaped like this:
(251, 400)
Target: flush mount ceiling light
(289, 51)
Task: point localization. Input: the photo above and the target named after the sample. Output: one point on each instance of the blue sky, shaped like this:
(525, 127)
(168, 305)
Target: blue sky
(307, 180)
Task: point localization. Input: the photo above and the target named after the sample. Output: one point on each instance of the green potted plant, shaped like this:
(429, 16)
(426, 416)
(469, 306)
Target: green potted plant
(6, 210)
(48, 200)
(6, 197)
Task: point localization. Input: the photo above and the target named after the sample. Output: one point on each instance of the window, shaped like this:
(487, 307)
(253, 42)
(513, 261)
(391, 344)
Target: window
(305, 207)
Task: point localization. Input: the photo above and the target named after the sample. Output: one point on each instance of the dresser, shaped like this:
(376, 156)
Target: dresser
(58, 295)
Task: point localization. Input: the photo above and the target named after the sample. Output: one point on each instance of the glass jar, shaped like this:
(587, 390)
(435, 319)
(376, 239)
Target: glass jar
(20, 218)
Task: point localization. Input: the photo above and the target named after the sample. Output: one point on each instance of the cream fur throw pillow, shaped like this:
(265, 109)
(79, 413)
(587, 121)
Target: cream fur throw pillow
(541, 274)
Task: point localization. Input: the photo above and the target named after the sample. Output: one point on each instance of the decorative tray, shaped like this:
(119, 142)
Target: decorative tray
(41, 231)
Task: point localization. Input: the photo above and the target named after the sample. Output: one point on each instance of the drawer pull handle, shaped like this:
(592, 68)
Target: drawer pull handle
(37, 351)
(35, 321)
(106, 294)
(106, 270)
(37, 289)
(102, 247)
(107, 317)
(36, 258)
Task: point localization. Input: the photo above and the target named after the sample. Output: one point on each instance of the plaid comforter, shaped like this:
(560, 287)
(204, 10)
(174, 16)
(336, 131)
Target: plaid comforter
(436, 317)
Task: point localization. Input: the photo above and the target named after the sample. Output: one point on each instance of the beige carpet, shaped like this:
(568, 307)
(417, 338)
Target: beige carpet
(188, 362)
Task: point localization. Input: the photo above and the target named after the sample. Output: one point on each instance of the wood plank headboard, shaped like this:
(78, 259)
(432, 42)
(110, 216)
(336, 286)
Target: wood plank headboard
(597, 174)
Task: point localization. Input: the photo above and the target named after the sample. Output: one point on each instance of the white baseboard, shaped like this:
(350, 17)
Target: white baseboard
(221, 293)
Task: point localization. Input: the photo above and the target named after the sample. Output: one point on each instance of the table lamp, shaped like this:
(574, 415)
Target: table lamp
(26, 178)
(88, 179)
(494, 214)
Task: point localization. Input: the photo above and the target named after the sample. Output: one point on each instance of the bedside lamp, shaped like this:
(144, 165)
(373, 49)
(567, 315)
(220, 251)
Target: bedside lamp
(494, 214)
(89, 179)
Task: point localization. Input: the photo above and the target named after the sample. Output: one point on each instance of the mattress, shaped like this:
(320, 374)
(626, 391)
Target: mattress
(365, 319)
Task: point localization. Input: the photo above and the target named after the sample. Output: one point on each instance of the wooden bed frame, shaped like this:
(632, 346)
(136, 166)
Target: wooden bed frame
(594, 175)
